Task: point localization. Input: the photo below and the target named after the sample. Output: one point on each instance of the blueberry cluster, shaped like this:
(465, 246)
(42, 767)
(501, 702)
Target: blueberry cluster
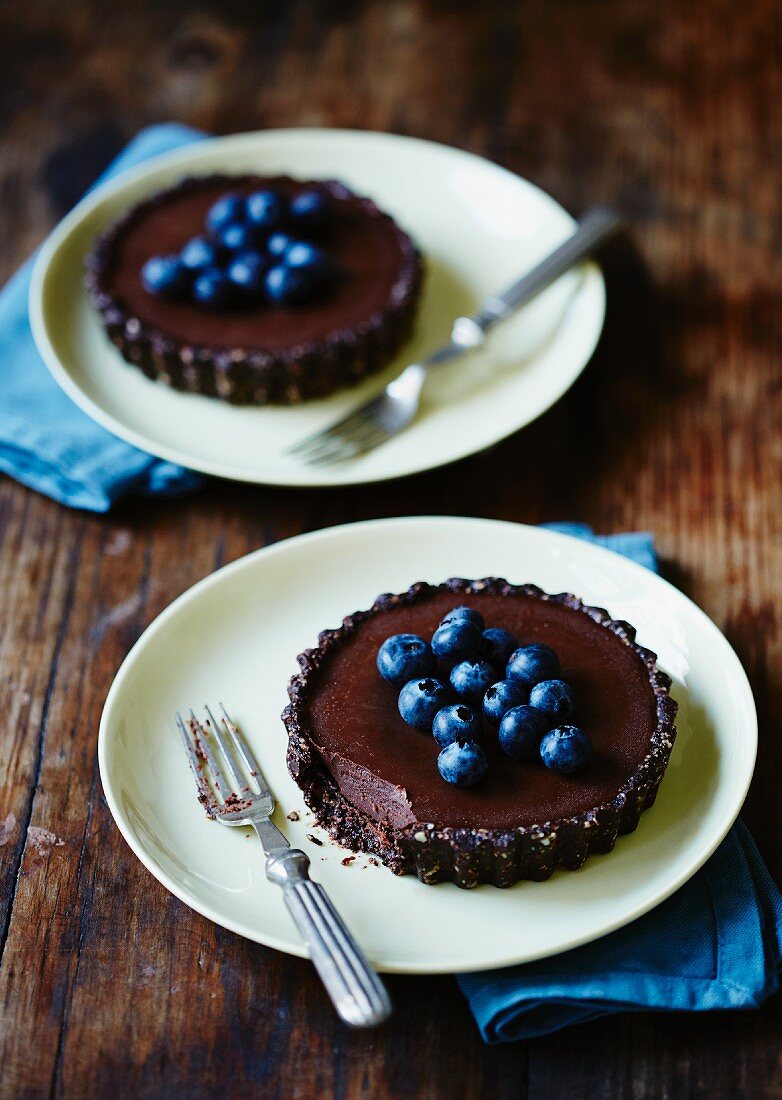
(255, 248)
(452, 687)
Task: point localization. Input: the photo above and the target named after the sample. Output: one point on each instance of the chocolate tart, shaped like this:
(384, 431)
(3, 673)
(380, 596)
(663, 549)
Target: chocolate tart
(372, 780)
(260, 354)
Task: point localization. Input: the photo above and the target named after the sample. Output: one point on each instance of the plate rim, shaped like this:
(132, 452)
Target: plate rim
(406, 967)
(594, 282)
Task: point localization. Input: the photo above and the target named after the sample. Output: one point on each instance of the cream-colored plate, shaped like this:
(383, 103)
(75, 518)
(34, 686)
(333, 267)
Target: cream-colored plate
(479, 227)
(235, 637)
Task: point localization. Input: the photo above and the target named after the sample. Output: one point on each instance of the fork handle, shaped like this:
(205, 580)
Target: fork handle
(592, 230)
(356, 991)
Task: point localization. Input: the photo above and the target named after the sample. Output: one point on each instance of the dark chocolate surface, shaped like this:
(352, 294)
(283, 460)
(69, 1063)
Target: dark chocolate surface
(363, 241)
(389, 771)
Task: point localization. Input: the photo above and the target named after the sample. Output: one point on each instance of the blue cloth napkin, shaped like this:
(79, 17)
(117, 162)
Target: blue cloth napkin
(716, 943)
(48, 443)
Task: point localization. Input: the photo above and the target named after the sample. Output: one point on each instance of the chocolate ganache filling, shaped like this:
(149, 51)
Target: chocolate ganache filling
(387, 770)
(365, 245)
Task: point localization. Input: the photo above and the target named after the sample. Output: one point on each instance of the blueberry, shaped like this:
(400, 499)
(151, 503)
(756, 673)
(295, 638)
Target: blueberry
(468, 613)
(520, 732)
(228, 208)
(301, 254)
(310, 208)
(471, 679)
(246, 271)
(277, 243)
(199, 253)
(456, 723)
(566, 749)
(420, 700)
(497, 646)
(211, 288)
(456, 640)
(164, 276)
(500, 698)
(533, 663)
(288, 285)
(266, 209)
(236, 236)
(462, 763)
(403, 657)
(555, 697)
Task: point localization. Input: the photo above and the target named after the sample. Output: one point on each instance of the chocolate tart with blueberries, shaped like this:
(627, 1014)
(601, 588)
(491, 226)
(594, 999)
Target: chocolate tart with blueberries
(257, 290)
(479, 732)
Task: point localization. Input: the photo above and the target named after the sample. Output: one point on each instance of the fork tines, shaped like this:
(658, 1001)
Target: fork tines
(356, 433)
(232, 786)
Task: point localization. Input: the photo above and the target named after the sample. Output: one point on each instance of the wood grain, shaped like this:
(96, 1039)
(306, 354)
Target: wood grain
(108, 986)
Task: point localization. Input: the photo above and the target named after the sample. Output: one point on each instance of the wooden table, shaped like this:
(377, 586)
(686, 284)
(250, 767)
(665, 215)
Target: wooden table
(108, 985)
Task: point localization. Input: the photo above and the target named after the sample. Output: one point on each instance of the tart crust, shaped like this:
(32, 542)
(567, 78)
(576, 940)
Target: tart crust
(470, 856)
(256, 375)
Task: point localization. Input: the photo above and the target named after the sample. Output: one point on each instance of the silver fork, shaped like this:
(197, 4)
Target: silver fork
(384, 416)
(236, 793)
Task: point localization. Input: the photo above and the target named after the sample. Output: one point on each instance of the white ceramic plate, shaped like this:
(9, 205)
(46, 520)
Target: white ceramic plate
(479, 227)
(235, 637)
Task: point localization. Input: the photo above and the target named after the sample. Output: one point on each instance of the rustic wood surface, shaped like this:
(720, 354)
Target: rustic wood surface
(671, 111)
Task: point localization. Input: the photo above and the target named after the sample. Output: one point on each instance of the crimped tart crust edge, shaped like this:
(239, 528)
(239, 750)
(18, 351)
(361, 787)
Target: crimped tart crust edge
(471, 856)
(253, 375)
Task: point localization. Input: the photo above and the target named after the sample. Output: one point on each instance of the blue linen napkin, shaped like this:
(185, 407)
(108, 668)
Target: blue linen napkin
(46, 441)
(715, 944)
